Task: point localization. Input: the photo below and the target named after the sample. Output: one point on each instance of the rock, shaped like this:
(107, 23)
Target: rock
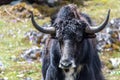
(48, 2)
(115, 62)
(2, 68)
(20, 75)
(5, 2)
(15, 2)
(35, 38)
(27, 78)
(33, 53)
(109, 38)
(1, 36)
(5, 78)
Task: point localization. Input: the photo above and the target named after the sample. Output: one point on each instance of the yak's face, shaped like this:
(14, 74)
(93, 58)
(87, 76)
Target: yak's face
(69, 31)
(70, 35)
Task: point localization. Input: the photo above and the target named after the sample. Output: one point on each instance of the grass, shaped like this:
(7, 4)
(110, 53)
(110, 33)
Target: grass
(97, 9)
(11, 44)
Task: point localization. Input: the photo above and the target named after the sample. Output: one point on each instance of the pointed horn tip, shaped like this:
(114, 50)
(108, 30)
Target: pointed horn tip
(109, 10)
(108, 15)
(105, 23)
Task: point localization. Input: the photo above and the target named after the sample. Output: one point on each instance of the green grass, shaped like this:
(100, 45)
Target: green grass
(11, 44)
(97, 9)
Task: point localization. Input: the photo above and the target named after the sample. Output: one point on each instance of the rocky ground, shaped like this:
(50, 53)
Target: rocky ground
(20, 47)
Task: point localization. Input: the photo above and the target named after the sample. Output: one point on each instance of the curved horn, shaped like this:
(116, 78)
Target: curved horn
(47, 30)
(95, 29)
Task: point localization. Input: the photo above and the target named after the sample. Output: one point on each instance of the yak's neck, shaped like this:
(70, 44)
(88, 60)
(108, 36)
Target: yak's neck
(85, 53)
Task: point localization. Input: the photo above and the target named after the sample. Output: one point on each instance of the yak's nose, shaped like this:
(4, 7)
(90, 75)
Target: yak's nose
(65, 64)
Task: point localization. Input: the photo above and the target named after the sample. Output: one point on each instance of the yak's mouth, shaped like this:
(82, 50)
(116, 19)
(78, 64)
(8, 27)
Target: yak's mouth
(66, 70)
(69, 72)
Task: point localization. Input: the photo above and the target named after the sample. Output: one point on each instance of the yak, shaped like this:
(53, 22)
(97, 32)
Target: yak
(70, 53)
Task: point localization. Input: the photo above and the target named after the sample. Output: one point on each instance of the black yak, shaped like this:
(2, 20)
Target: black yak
(70, 53)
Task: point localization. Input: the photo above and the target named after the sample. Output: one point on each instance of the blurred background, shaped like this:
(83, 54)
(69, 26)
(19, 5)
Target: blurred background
(21, 44)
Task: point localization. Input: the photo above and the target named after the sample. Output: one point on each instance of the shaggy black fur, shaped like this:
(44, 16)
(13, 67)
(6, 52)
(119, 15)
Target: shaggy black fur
(70, 25)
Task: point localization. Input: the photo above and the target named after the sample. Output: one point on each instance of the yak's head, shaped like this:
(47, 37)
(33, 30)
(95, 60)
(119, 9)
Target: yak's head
(70, 30)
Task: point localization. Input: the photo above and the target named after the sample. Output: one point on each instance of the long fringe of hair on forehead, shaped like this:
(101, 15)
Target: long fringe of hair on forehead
(67, 15)
(74, 8)
(69, 12)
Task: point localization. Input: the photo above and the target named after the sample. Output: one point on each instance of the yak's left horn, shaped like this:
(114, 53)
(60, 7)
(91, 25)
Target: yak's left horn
(95, 29)
(47, 30)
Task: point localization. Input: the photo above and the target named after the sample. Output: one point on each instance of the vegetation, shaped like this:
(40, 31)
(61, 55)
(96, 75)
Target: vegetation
(12, 44)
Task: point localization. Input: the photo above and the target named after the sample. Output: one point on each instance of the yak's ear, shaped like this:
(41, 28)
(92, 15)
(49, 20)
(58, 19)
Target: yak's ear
(88, 35)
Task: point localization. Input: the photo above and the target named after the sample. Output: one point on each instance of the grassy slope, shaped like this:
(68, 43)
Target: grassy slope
(11, 44)
(97, 9)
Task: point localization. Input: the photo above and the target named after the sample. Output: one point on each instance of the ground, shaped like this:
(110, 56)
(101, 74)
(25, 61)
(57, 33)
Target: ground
(12, 43)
